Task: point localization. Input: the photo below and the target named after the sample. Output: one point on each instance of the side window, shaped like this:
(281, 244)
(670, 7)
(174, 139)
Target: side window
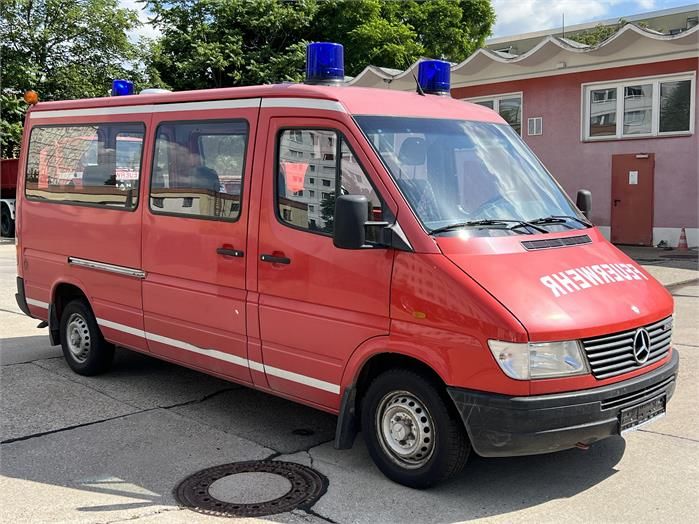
(96, 164)
(326, 155)
(198, 169)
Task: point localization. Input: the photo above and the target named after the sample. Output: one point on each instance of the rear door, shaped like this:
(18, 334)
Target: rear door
(317, 303)
(194, 237)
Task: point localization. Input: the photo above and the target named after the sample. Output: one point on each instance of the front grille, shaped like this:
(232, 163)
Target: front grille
(611, 355)
(640, 396)
(548, 243)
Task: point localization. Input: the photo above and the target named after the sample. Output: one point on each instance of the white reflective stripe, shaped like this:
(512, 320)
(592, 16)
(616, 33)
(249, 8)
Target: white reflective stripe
(220, 355)
(257, 366)
(213, 353)
(37, 303)
(304, 103)
(121, 327)
(303, 379)
(147, 108)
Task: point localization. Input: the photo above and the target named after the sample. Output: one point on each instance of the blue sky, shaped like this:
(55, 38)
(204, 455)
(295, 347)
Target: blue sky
(522, 16)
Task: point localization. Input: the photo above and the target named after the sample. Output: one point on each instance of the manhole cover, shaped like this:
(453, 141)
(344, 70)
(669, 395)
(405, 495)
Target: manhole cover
(250, 489)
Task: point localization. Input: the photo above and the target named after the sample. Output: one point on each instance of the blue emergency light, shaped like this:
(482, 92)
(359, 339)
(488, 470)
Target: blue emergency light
(325, 63)
(434, 76)
(122, 87)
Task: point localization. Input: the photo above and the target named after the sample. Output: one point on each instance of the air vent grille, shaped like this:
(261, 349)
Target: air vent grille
(549, 243)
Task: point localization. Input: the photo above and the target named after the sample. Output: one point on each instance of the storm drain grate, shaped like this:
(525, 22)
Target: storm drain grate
(307, 486)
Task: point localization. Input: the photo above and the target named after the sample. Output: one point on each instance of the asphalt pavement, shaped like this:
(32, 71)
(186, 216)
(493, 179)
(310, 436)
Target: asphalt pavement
(112, 448)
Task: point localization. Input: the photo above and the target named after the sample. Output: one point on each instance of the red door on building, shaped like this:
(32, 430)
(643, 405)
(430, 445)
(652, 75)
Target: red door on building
(632, 199)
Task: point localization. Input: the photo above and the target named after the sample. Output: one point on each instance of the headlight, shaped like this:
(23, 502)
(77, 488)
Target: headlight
(539, 360)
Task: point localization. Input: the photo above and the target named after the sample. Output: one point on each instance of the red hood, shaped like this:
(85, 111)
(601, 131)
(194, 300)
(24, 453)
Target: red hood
(562, 293)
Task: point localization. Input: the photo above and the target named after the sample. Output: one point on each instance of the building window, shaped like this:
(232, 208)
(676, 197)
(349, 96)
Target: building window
(647, 107)
(535, 126)
(508, 106)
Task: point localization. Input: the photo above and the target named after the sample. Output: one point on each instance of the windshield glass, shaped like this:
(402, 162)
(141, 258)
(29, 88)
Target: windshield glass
(454, 171)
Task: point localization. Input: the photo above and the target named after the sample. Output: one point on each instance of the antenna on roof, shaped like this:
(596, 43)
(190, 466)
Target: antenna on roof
(417, 84)
(563, 23)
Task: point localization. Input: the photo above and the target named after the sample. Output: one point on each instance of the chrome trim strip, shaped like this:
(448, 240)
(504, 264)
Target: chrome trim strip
(110, 268)
(147, 108)
(304, 103)
(220, 355)
(37, 303)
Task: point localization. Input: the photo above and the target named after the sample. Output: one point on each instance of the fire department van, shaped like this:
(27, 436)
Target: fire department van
(402, 260)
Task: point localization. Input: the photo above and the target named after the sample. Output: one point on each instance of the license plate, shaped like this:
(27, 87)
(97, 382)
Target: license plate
(637, 416)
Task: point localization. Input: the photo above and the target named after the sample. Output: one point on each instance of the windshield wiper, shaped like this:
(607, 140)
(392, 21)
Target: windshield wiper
(559, 219)
(487, 222)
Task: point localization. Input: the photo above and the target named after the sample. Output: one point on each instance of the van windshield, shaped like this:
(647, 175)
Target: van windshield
(461, 174)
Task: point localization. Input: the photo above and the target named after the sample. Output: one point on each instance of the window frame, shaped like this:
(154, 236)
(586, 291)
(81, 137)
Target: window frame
(338, 174)
(495, 99)
(242, 175)
(87, 204)
(619, 85)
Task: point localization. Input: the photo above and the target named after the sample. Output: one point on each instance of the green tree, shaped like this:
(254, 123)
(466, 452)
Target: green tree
(218, 43)
(63, 49)
(600, 33)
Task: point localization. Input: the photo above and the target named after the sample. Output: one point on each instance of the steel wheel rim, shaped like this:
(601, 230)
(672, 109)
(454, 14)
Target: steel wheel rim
(78, 337)
(405, 429)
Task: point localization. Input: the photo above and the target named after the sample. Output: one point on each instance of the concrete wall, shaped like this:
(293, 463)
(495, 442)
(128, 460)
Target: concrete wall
(577, 164)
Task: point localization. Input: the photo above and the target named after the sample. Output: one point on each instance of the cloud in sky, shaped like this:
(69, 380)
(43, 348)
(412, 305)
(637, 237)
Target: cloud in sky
(146, 29)
(522, 16)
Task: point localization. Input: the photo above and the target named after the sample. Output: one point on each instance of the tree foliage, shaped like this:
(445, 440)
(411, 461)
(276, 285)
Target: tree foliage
(600, 33)
(217, 43)
(61, 48)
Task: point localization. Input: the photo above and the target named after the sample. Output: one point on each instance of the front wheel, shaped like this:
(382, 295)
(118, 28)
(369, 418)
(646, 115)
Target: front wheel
(410, 431)
(7, 225)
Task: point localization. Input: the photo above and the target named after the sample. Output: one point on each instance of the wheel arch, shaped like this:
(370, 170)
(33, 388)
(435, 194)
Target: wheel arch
(373, 358)
(62, 292)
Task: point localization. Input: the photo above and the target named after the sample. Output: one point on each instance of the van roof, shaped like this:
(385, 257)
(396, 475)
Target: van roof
(356, 100)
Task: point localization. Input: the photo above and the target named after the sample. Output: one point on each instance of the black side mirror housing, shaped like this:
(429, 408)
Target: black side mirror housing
(351, 212)
(584, 202)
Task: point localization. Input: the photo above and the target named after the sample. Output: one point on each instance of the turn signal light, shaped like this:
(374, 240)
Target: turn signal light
(31, 97)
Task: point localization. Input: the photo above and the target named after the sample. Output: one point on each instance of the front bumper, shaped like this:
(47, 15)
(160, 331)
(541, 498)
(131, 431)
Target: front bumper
(504, 426)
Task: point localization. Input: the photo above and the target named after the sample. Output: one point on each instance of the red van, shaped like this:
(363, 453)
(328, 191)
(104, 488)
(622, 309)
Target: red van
(402, 260)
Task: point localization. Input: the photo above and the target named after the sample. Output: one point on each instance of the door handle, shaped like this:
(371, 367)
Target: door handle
(274, 259)
(227, 252)
(616, 202)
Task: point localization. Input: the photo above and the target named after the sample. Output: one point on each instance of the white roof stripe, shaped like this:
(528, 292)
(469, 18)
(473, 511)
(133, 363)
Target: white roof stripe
(305, 103)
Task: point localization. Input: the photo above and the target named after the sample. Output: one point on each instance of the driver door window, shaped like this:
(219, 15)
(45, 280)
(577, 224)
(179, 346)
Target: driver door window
(326, 155)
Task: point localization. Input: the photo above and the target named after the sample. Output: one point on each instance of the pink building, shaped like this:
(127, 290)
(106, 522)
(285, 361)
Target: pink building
(618, 119)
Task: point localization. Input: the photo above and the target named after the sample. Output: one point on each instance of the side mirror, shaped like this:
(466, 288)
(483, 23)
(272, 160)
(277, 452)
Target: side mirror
(351, 213)
(584, 202)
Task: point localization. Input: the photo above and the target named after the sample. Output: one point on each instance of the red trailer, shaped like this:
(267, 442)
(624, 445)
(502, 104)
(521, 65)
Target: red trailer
(8, 189)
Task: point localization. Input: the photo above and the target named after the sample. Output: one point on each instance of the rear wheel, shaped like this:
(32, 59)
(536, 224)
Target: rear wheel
(412, 433)
(7, 225)
(84, 348)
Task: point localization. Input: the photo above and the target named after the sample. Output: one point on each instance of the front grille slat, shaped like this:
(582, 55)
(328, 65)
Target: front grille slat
(615, 344)
(612, 354)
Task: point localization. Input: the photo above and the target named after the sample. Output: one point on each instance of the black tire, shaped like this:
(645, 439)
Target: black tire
(7, 225)
(450, 445)
(84, 347)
